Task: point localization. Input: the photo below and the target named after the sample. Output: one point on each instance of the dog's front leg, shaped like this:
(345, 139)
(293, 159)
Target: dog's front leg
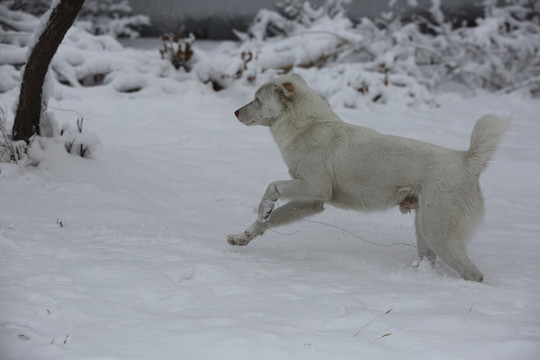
(283, 215)
(293, 190)
(268, 201)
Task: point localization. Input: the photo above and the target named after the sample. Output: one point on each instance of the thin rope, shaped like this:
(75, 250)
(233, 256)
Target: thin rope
(285, 234)
(358, 236)
(342, 229)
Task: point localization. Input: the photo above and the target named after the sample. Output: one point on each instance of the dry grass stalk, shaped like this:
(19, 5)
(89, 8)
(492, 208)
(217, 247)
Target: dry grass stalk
(377, 318)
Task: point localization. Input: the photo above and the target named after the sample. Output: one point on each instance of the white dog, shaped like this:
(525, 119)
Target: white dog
(354, 167)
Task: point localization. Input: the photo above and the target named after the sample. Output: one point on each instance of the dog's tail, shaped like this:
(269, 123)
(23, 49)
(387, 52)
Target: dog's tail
(487, 133)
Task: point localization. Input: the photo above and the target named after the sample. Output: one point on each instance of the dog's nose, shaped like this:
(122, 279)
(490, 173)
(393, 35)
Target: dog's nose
(236, 113)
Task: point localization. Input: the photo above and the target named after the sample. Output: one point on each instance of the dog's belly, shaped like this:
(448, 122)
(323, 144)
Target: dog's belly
(372, 199)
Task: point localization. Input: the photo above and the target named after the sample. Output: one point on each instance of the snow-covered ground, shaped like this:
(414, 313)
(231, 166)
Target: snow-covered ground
(140, 269)
(123, 255)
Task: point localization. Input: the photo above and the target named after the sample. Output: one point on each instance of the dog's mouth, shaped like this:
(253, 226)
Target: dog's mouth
(243, 120)
(247, 122)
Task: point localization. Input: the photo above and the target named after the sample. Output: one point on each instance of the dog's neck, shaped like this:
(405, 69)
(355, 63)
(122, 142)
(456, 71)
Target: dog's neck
(287, 130)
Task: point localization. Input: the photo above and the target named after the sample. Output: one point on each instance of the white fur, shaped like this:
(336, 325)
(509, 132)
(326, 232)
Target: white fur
(354, 167)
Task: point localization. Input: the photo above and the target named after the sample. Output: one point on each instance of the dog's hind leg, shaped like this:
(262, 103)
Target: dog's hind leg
(290, 212)
(444, 229)
(454, 255)
(422, 248)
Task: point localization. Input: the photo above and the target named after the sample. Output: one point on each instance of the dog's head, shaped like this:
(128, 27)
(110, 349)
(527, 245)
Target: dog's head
(271, 100)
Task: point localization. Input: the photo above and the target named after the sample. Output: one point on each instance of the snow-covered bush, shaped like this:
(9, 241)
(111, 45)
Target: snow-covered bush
(82, 59)
(388, 58)
(369, 61)
(111, 17)
(75, 142)
(79, 143)
(34, 7)
(10, 151)
(292, 16)
(100, 17)
(178, 51)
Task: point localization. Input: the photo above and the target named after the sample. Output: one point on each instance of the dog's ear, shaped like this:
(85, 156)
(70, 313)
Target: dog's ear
(288, 89)
(298, 77)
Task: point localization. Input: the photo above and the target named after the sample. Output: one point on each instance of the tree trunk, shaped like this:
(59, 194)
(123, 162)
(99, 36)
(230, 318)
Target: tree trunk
(26, 122)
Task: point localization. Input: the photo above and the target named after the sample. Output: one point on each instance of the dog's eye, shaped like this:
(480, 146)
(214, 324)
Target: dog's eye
(257, 100)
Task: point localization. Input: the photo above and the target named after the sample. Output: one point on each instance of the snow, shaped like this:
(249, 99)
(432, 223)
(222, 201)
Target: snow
(140, 267)
(123, 255)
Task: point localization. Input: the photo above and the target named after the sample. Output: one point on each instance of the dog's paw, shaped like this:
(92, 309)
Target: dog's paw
(265, 209)
(473, 275)
(424, 265)
(240, 239)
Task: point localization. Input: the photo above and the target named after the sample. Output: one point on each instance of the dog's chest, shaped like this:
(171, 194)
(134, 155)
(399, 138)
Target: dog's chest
(293, 163)
(303, 161)
(305, 150)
